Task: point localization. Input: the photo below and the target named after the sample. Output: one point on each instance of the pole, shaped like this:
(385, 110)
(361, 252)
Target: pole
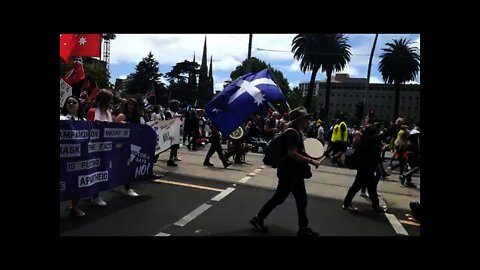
(365, 110)
(275, 81)
(249, 66)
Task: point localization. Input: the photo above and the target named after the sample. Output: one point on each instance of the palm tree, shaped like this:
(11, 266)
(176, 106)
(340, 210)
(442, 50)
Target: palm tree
(330, 52)
(399, 63)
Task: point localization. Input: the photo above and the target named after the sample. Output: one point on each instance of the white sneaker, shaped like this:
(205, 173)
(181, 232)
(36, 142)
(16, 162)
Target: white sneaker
(364, 194)
(130, 192)
(98, 201)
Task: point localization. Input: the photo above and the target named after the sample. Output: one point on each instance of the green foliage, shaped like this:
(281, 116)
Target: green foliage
(258, 65)
(295, 98)
(146, 72)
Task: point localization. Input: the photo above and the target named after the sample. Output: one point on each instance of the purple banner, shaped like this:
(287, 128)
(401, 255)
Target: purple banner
(99, 156)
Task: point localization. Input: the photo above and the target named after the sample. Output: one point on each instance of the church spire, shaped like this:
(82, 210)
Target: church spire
(210, 71)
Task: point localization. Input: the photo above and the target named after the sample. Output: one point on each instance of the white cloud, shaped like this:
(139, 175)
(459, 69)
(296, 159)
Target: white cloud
(219, 82)
(293, 84)
(375, 80)
(169, 49)
(417, 43)
(352, 71)
(123, 77)
(279, 46)
(294, 67)
(412, 82)
(227, 64)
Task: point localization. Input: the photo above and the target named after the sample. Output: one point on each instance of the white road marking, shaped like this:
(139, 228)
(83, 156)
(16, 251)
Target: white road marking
(195, 213)
(223, 194)
(244, 179)
(397, 226)
(162, 234)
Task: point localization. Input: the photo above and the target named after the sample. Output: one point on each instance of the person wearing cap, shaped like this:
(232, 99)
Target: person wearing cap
(291, 175)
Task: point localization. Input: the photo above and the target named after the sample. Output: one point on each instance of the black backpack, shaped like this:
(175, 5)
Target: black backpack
(276, 151)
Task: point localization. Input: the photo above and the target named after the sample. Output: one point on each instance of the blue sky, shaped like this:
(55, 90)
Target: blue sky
(229, 50)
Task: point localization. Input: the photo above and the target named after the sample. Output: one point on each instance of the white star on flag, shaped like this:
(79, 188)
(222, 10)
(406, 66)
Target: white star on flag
(82, 40)
(250, 88)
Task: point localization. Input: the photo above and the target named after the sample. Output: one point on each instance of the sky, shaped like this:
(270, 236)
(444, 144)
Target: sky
(229, 50)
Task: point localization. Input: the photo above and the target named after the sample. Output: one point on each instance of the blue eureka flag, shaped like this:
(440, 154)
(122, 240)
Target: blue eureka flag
(244, 96)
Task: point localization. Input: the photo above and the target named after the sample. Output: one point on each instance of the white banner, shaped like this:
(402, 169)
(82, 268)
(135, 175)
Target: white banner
(65, 92)
(168, 133)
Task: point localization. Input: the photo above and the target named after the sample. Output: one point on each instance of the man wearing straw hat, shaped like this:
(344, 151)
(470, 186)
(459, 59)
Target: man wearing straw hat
(291, 175)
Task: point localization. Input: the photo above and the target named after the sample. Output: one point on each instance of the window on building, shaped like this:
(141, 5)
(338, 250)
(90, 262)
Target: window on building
(403, 98)
(417, 98)
(389, 97)
(351, 95)
(345, 95)
(376, 96)
(410, 98)
(356, 96)
(369, 96)
(383, 97)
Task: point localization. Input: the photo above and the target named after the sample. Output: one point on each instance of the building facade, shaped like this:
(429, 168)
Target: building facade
(346, 93)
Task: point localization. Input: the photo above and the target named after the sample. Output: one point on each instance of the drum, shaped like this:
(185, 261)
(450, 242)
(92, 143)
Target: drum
(313, 148)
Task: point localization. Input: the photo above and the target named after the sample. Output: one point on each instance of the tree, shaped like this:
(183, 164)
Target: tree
(182, 79)
(295, 98)
(399, 63)
(181, 71)
(145, 73)
(258, 65)
(328, 52)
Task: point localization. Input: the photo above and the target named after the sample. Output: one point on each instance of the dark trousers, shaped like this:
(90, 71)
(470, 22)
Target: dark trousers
(365, 177)
(288, 183)
(378, 176)
(215, 147)
(408, 175)
(193, 141)
(236, 150)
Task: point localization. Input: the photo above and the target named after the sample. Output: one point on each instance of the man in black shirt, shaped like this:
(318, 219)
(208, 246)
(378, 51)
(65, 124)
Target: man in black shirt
(291, 174)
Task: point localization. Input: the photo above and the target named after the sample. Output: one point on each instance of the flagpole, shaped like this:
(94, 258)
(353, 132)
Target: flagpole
(249, 66)
(276, 82)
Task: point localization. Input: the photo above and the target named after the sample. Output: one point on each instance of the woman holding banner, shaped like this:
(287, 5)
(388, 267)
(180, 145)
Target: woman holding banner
(72, 110)
(130, 114)
(102, 112)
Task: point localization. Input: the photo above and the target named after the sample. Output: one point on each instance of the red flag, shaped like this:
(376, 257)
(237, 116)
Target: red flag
(75, 74)
(79, 45)
(66, 46)
(87, 45)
